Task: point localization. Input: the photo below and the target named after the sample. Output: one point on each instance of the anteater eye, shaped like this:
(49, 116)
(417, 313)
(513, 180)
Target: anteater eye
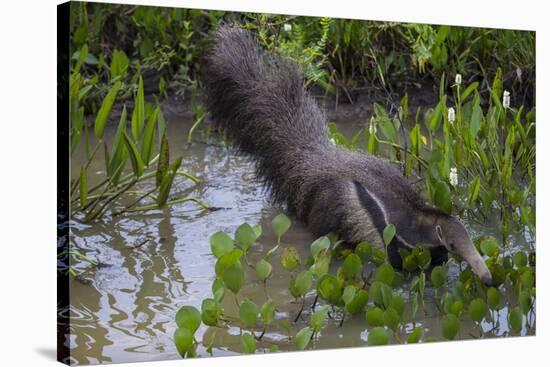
(452, 244)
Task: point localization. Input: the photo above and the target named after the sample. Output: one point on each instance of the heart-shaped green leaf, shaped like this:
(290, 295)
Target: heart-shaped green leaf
(221, 244)
(183, 338)
(280, 224)
(378, 336)
(351, 266)
(248, 312)
(248, 343)
(263, 269)
(188, 317)
(303, 337)
(449, 326)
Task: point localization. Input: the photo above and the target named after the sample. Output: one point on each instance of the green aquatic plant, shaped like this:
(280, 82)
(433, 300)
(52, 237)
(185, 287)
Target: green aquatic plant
(145, 147)
(341, 281)
(467, 156)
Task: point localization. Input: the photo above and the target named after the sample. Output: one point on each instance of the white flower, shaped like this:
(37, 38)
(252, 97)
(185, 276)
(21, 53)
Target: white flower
(372, 126)
(458, 79)
(506, 99)
(453, 177)
(333, 141)
(451, 116)
(287, 27)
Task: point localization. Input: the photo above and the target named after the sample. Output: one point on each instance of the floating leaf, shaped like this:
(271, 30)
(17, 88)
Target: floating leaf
(528, 278)
(449, 326)
(375, 316)
(497, 273)
(263, 269)
(493, 298)
(515, 319)
(388, 234)
(227, 260)
(248, 343)
(358, 303)
(439, 275)
(290, 259)
(221, 244)
(218, 289)
(267, 311)
(318, 318)
(303, 337)
(520, 259)
(398, 304)
(414, 336)
(320, 244)
(245, 236)
(233, 277)
(248, 312)
(183, 338)
(321, 265)
(364, 251)
(410, 263)
(524, 300)
(381, 294)
(210, 312)
(352, 265)
(349, 293)
(385, 274)
(303, 282)
(391, 319)
(378, 256)
(456, 307)
(280, 224)
(489, 247)
(257, 230)
(329, 288)
(188, 317)
(477, 309)
(378, 336)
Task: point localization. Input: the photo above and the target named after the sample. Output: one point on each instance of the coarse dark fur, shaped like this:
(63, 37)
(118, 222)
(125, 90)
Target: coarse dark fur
(261, 101)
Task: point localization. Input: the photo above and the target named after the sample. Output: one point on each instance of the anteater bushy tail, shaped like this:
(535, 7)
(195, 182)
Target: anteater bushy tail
(261, 101)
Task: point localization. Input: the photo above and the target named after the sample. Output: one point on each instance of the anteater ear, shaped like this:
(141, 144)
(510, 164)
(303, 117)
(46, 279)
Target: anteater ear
(439, 233)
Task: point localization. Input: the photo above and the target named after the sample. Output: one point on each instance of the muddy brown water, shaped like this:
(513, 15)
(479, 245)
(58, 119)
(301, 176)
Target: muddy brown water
(154, 262)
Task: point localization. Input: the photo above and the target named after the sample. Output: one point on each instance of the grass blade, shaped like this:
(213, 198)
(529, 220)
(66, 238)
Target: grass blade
(83, 186)
(135, 158)
(119, 148)
(164, 160)
(167, 181)
(138, 116)
(105, 110)
(148, 135)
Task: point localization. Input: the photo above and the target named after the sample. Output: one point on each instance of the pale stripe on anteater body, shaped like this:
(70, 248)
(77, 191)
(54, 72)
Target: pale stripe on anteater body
(261, 101)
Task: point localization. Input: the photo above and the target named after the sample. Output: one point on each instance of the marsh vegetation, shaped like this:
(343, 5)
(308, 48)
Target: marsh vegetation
(176, 251)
